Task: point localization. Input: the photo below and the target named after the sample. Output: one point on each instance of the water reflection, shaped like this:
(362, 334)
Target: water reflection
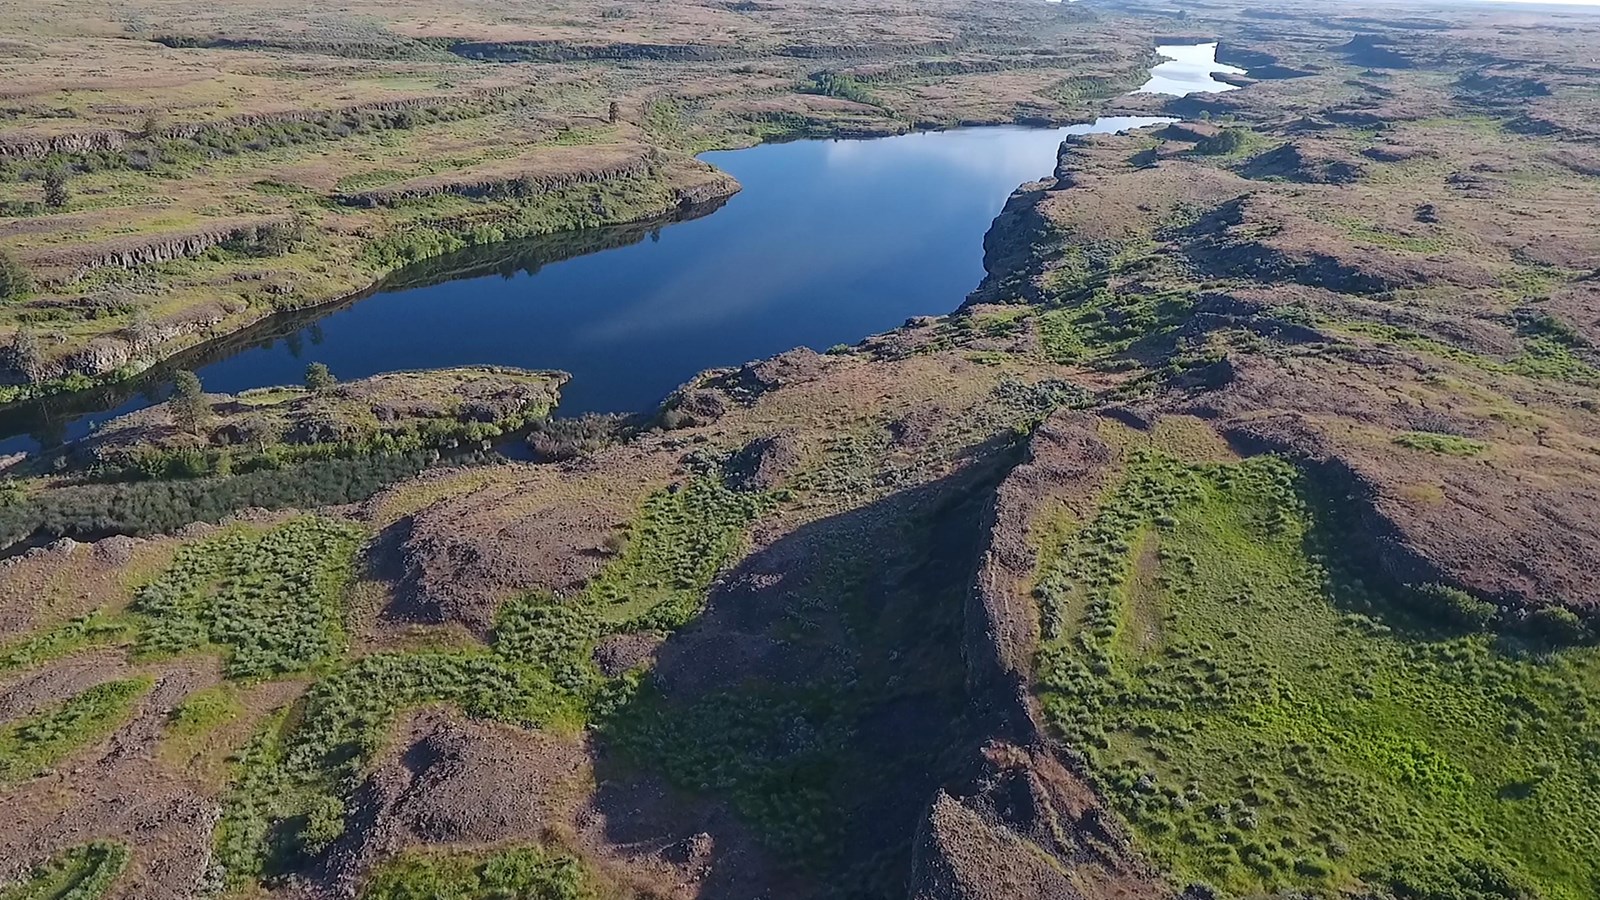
(1188, 69)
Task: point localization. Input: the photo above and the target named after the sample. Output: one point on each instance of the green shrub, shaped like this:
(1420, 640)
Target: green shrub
(83, 631)
(1557, 625)
(1456, 607)
(273, 601)
(188, 405)
(16, 281)
(37, 742)
(1438, 877)
(1445, 444)
(1552, 359)
(318, 378)
(82, 873)
(1541, 324)
(524, 873)
(1228, 141)
(835, 84)
(283, 806)
(410, 245)
(92, 511)
(1261, 683)
(277, 238)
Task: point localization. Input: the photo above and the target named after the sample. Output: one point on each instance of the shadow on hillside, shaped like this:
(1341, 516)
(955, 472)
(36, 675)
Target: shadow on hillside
(820, 699)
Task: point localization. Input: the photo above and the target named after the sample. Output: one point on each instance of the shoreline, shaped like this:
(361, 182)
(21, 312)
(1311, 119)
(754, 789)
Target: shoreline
(21, 418)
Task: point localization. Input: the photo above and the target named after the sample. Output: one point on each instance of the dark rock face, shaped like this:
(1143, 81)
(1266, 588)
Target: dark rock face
(1024, 823)
(962, 854)
(764, 463)
(512, 184)
(1306, 162)
(151, 249)
(24, 145)
(618, 653)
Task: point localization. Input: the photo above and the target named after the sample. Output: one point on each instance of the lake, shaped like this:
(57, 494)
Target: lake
(829, 241)
(1188, 69)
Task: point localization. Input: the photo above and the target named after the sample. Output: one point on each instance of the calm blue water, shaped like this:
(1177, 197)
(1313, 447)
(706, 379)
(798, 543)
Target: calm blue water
(830, 241)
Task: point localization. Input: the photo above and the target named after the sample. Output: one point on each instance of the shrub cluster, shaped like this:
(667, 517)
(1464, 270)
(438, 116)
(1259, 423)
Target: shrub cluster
(836, 84)
(33, 744)
(82, 873)
(93, 511)
(1269, 720)
(527, 873)
(288, 802)
(222, 139)
(83, 631)
(273, 601)
(16, 281)
(1230, 140)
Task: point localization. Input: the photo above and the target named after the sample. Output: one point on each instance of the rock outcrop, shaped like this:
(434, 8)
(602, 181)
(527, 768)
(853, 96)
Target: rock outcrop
(1025, 823)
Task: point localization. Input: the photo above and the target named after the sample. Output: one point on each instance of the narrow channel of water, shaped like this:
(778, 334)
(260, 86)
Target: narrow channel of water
(830, 241)
(1189, 69)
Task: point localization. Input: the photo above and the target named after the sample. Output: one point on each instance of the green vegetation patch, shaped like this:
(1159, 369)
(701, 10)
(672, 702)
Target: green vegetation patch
(776, 753)
(1553, 359)
(1368, 233)
(1076, 90)
(838, 84)
(273, 601)
(74, 634)
(1546, 354)
(1266, 721)
(524, 873)
(31, 745)
(288, 800)
(447, 224)
(143, 508)
(204, 711)
(1108, 322)
(1232, 141)
(1446, 444)
(82, 873)
(1102, 310)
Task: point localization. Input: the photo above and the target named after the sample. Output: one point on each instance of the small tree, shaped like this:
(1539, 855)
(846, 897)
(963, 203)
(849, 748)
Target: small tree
(259, 430)
(188, 404)
(15, 280)
(141, 328)
(318, 378)
(55, 188)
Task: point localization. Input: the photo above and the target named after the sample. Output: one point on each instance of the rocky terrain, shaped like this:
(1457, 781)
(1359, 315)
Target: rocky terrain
(1230, 541)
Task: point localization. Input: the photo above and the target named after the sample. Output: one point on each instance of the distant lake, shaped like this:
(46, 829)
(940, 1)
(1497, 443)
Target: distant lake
(829, 241)
(1188, 69)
